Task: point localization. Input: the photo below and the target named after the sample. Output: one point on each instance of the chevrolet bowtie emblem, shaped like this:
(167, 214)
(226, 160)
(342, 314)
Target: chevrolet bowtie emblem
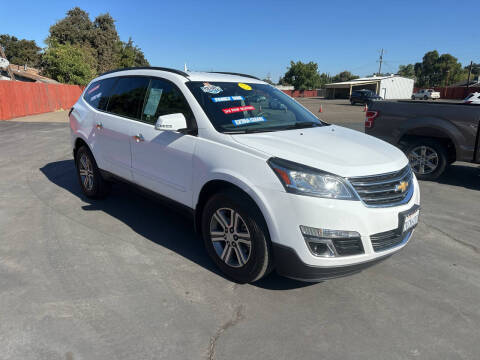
(402, 187)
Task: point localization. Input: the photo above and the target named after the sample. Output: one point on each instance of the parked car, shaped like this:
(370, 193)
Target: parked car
(426, 94)
(433, 135)
(363, 97)
(473, 98)
(266, 188)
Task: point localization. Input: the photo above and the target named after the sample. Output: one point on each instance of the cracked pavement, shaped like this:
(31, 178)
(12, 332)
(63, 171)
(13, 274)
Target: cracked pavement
(126, 278)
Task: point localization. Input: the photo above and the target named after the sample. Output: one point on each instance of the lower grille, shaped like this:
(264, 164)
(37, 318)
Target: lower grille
(385, 189)
(351, 246)
(386, 240)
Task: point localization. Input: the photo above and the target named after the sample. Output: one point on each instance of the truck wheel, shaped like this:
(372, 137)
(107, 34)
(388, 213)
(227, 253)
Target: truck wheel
(91, 181)
(428, 158)
(235, 237)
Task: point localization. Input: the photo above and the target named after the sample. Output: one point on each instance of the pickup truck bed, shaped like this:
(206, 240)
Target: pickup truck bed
(433, 135)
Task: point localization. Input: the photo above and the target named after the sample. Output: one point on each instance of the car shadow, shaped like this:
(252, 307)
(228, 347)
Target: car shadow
(153, 219)
(465, 176)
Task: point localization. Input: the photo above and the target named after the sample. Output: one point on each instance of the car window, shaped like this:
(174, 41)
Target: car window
(98, 93)
(163, 98)
(127, 96)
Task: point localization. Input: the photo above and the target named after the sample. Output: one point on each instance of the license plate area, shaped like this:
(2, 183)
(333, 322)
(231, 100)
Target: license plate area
(408, 220)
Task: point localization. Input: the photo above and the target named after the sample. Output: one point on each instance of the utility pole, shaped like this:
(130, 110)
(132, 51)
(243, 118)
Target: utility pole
(380, 61)
(469, 74)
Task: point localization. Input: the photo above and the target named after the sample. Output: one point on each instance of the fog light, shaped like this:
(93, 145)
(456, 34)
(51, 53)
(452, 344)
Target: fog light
(321, 241)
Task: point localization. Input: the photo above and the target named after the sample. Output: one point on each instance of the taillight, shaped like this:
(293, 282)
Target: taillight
(370, 118)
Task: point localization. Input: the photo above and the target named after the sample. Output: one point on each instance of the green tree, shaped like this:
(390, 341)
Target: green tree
(131, 55)
(406, 71)
(435, 70)
(344, 76)
(69, 64)
(76, 29)
(106, 42)
(302, 76)
(20, 52)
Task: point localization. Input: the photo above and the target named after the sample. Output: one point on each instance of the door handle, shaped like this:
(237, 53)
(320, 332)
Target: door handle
(138, 138)
(99, 125)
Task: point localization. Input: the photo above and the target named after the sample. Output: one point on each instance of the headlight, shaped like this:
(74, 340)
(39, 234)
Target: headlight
(304, 180)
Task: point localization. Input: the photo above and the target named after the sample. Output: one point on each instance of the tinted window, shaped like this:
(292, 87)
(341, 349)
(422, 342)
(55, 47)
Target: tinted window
(164, 98)
(127, 96)
(98, 93)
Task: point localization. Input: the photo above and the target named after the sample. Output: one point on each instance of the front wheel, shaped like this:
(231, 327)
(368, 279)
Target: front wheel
(91, 181)
(236, 237)
(425, 97)
(428, 158)
(413, 97)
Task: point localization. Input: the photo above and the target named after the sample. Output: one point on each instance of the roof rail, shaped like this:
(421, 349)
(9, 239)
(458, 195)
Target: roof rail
(232, 73)
(148, 68)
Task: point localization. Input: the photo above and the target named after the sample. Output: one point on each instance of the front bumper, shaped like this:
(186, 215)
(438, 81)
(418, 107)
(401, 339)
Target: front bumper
(288, 264)
(292, 255)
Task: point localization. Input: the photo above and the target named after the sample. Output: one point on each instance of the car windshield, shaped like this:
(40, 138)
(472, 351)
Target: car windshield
(247, 107)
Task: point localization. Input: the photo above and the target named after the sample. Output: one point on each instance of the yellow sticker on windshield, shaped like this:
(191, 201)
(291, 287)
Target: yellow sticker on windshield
(245, 86)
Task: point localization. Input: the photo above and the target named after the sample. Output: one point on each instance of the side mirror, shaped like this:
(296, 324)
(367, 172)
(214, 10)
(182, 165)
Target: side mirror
(171, 122)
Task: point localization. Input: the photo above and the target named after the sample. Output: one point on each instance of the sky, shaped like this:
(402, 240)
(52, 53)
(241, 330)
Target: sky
(262, 37)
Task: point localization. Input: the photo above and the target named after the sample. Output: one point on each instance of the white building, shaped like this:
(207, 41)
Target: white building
(388, 87)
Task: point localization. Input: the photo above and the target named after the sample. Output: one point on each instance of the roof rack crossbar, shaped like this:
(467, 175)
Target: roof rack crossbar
(232, 73)
(148, 68)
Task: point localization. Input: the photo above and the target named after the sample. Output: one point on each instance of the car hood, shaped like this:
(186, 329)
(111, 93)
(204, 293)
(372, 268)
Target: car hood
(334, 149)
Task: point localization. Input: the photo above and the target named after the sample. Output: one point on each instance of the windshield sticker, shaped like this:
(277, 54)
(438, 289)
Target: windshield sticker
(246, 121)
(245, 86)
(227, 98)
(96, 87)
(211, 89)
(238, 109)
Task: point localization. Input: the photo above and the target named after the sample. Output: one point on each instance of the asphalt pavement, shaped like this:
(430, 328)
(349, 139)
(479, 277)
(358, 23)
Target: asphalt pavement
(127, 278)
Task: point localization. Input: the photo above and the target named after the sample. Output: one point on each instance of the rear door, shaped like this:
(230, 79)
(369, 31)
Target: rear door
(114, 125)
(162, 160)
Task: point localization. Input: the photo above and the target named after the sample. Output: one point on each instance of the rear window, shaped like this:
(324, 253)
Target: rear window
(98, 93)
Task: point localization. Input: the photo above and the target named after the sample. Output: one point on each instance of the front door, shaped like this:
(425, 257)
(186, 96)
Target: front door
(162, 160)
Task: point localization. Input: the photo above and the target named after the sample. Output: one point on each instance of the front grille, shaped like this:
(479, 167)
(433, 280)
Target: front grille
(349, 246)
(385, 189)
(386, 240)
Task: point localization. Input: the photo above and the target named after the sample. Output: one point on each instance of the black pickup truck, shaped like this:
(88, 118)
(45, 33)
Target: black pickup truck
(432, 135)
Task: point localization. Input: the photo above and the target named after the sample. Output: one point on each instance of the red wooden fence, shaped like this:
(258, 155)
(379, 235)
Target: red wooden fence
(19, 98)
(453, 92)
(303, 93)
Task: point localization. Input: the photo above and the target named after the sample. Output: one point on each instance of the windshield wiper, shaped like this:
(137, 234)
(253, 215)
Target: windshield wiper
(248, 131)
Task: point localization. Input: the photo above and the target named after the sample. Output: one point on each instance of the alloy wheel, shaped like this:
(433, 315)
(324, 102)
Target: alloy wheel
(86, 172)
(423, 159)
(230, 237)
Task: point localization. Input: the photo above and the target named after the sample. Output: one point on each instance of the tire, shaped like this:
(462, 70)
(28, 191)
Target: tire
(240, 259)
(413, 97)
(352, 102)
(89, 177)
(425, 97)
(423, 150)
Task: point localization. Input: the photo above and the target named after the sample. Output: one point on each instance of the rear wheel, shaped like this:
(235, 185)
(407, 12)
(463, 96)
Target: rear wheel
(428, 158)
(425, 97)
(413, 97)
(235, 237)
(91, 181)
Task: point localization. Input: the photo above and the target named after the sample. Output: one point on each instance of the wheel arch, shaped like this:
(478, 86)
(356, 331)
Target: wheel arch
(217, 185)
(446, 134)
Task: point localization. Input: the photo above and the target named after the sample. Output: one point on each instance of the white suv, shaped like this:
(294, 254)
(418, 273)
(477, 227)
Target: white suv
(269, 186)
